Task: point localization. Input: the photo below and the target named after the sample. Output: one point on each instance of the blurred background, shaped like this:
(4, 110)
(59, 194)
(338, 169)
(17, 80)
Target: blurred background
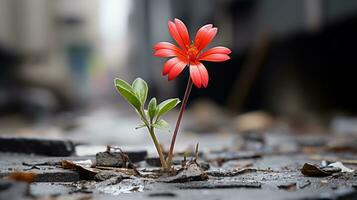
(293, 66)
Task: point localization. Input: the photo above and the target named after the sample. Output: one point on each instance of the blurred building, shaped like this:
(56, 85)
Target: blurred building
(288, 56)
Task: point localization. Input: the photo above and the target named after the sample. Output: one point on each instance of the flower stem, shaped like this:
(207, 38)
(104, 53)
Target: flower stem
(182, 109)
(153, 137)
(158, 148)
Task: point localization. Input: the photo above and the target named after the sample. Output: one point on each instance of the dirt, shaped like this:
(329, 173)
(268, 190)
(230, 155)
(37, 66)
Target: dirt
(268, 173)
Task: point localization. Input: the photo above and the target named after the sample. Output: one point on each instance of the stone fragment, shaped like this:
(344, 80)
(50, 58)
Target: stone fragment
(37, 146)
(110, 159)
(105, 175)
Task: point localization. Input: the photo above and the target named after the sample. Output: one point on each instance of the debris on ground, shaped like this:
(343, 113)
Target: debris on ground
(316, 171)
(341, 166)
(85, 172)
(266, 171)
(112, 157)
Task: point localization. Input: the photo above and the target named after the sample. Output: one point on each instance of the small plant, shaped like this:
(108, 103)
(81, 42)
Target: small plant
(188, 54)
(136, 95)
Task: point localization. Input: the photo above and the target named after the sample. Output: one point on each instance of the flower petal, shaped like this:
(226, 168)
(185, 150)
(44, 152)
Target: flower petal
(166, 53)
(201, 33)
(204, 74)
(164, 45)
(175, 34)
(215, 57)
(195, 75)
(182, 30)
(176, 70)
(207, 38)
(215, 50)
(169, 64)
(168, 45)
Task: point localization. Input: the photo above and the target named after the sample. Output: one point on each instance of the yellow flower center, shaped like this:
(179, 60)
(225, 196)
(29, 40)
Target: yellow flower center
(192, 52)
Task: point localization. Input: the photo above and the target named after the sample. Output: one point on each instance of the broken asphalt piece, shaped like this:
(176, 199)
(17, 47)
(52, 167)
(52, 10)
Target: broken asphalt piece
(105, 175)
(111, 159)
(341, 166)
(85, 173)
(191, 172)
(288, 186)
(13, 190)
(44, 147)
(316, 171)
(219, 184)
(229, 173)
(116, 158)
(57, 175)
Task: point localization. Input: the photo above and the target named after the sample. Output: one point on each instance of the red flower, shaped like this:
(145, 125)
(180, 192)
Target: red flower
(190, 54)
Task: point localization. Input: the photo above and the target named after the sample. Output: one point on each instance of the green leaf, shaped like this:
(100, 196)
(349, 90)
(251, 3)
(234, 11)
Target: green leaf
(140, 88)
(140, 126)
(125, 90)
(122, 83)
(167, 105)
(152, 108)
(162, 124)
